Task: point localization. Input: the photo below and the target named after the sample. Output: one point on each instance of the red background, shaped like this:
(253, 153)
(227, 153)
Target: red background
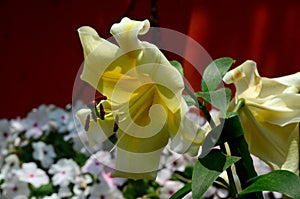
(40, 50)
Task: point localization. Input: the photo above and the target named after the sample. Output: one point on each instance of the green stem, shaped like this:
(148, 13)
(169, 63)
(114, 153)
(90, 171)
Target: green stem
(239, 105)
(183, 179)
(232, 186)
(202, 107)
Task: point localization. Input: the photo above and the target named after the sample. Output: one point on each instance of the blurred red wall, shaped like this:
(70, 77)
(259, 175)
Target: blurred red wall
(41, 54)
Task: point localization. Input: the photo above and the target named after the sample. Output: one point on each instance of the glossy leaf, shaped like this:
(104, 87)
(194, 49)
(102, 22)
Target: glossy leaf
(207, 170)
(214, 73)
(182, 192)
(189, 100)
(178, 66)
(281, 181)
(219, 99)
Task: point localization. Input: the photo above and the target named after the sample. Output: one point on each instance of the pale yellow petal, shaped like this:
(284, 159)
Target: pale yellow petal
(246, 80)
(126, 33)
(188, 139)
(276, 145)
(290, 80)
(137, 165)
(139, 157)
(280, 110)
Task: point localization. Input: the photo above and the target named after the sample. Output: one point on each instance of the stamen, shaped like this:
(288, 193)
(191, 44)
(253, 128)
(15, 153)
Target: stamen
(102, 112)
(87, 123)
(93, 108)
(99, 97)
(116, 127)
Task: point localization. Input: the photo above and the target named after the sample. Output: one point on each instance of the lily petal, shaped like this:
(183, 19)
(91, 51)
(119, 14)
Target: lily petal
(271, 115)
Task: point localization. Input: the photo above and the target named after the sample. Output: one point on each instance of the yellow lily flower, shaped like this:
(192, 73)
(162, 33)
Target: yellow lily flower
(271, 115)
(144, 92)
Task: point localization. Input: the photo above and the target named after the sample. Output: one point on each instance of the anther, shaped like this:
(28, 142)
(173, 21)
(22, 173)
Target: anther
(87, 123)
(116, 127)
(102, 112)
(93, 109)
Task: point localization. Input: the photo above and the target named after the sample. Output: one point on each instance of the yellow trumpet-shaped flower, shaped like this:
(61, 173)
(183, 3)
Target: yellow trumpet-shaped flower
(143, 91)
(270, 116)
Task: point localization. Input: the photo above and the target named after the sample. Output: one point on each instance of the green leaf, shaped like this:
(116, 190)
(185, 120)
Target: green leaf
(233, 134)
(207, 170)
(43, 190)
(214, 73)
(182, 192)
(178, 66)
(189, 100)
(219, 99)
(136, 188)
(281, 181)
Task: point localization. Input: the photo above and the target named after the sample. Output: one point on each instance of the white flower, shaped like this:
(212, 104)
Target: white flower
(79, 142)
(109, 180)
(11, 164)
(33, 175)
(53, 196)
(18, 125)
(64, 192)
(5, 134)
(63, 120)
(44, 153)
(15, 189)
(81, 188)
(163, 176)
(104, 192)
(36, 122)
(96, 163)
(169, 188)
(176, 162)
(65, 171)
(270, 116)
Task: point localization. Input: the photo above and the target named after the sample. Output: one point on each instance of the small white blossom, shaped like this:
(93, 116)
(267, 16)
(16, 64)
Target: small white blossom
(169, 188)
(37, 122)
(65, 171)
(82, 188)
(5, 135)
(18, 125)
(163, 176)
(64, 192)
(96, 163)
(53, 196)
(33, 175)
(44, 153)
(11, 164)
(63, 120)
(15, 189)
(104, 192)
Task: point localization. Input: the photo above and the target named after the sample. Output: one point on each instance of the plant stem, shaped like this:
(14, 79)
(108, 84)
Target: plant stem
(232, 186)
(239, 105)
(201, 107)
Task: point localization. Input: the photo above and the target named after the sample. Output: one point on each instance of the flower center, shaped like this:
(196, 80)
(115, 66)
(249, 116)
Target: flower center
(5, 134)
(171, 192)
(97, 163)
(63, 117)
(102, 197)
(15, 189)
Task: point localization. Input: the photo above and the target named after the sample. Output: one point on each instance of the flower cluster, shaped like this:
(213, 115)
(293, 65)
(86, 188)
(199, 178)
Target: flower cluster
(145, 110)
(44, 156)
